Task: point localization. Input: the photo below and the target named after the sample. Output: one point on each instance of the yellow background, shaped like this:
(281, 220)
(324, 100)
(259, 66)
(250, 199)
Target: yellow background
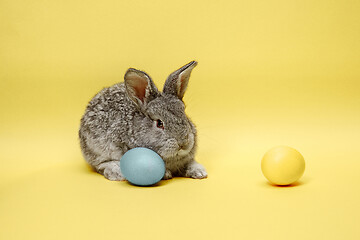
(270, 73)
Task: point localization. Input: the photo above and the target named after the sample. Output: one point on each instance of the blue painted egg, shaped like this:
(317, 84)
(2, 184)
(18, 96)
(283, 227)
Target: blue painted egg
(142, 166)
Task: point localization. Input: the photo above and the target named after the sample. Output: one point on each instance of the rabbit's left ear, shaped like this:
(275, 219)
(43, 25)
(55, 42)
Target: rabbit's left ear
(139, 87)
(177, 81)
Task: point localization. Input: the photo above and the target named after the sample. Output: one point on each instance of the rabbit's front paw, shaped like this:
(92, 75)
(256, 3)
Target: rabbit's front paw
(111, 170)
(113, 175)
(167, 175)
(195, 170)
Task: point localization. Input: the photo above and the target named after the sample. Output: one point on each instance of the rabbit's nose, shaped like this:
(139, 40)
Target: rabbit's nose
(184, 146)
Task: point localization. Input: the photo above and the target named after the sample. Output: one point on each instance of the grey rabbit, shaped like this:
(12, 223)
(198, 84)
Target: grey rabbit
(135, 113)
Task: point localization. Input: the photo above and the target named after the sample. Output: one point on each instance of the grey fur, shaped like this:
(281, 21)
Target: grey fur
(124, 116)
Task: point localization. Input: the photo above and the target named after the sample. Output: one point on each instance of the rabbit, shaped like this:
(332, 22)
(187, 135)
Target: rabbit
(135, 113)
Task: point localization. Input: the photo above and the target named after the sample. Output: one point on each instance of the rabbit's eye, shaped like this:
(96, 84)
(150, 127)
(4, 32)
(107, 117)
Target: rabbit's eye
(159, 124)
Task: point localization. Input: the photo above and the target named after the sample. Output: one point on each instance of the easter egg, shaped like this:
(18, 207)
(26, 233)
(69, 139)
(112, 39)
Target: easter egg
(283, 165)
(142, 166)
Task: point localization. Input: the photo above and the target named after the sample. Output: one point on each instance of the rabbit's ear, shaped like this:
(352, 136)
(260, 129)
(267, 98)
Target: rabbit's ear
(177, 82)
(139, 87)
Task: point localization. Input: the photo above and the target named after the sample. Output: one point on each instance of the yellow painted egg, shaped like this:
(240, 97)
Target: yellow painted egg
(283, 165)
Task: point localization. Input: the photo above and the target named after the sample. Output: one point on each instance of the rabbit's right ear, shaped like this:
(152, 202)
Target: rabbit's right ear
(139, 87)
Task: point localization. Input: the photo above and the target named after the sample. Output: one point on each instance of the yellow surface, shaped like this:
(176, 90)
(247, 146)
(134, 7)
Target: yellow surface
(270, 73)
(283, 165)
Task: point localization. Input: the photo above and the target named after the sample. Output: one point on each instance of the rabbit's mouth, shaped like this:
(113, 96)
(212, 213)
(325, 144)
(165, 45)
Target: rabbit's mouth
(182, 152)
(185, 148)
(174, 149)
